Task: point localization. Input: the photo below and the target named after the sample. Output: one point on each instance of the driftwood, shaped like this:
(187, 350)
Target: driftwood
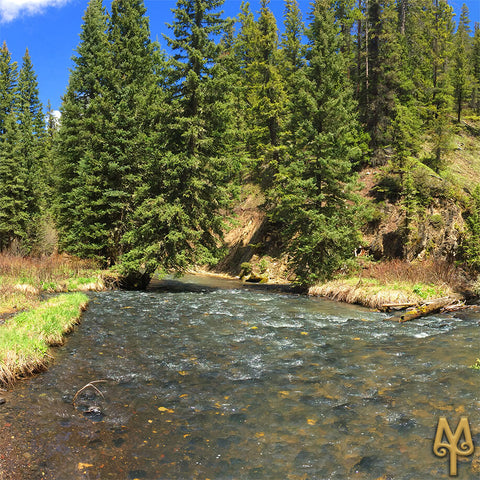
(427, 308)
(89, 385)
(397, 306)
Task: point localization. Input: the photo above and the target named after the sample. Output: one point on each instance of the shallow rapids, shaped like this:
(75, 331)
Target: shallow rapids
(211, 380)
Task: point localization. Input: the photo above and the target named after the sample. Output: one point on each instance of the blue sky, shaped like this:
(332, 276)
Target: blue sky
(50, 29)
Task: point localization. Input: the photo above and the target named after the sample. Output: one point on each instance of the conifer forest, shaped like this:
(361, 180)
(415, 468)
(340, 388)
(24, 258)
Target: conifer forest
(158, 140)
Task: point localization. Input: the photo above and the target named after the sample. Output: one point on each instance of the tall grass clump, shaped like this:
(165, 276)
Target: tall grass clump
(22, 279)
(25, 339)
(394, 281)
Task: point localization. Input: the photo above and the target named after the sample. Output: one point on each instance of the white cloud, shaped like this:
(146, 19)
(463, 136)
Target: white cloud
(11, 9)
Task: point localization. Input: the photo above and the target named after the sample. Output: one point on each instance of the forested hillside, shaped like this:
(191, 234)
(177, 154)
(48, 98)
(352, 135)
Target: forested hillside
(356, 126)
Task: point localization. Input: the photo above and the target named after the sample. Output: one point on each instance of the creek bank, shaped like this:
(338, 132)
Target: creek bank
(25, 339)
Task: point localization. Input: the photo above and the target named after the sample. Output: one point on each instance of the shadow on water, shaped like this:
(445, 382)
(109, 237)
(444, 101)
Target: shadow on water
(203, 284)
(204, 378)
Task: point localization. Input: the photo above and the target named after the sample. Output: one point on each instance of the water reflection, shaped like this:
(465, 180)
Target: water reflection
(228, 383)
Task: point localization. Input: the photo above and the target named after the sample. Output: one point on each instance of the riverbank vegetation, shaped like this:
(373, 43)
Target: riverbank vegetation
(25, 339)
(358, 125)
(23, 280)
(375, 284)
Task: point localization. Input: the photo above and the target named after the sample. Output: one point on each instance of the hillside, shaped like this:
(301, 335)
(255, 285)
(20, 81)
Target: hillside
(406, 253)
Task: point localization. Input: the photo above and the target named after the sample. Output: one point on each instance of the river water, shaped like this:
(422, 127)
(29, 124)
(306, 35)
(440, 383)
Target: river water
(210, 380)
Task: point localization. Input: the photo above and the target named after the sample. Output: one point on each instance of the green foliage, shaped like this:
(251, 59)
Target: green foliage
(436, 220)
(246, 269)
(106, 118)
(425, 291)
(462, 67)
(471, 241)
(186, 191)
(153, 147)
(31, 154)
(264, 88)
(313, 194)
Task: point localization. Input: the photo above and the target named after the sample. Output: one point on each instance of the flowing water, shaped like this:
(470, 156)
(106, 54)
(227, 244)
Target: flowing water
(221, 382)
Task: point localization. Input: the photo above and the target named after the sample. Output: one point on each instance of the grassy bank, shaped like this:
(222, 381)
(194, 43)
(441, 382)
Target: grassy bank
(24, 279)
(394, 281)
(25, 338)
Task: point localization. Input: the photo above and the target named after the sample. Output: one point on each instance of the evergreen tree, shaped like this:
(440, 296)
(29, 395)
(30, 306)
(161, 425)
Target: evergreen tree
(395, 125)
(31, 129)
(13, 212)
(476, 69)
(264, 89)
(292, 43)
(180, 220)
(470, 247)
(13, 217)
(314, 187)
(461, 62)
(8, 85)
(441, 17)
(81, 151)
(131, 91)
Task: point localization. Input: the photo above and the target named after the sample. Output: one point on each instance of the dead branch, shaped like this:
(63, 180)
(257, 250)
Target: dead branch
(89, 385)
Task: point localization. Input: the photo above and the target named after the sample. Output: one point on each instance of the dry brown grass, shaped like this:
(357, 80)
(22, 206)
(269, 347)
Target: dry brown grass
(394, 281)
(43, 269)
(22, 279)
(435, 272)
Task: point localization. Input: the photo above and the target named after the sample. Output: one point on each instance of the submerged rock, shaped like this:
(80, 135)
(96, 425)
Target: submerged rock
(94, 413)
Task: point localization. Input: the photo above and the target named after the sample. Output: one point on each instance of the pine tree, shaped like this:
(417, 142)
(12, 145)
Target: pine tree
(82, 157)
(292, 42)
(441, 17)
(313, 192)
(462, 76)
(475, 61)
(180, 219)
(264, 89)
(13, 212)
(31, 129)
(13, 217)
(8, 85)
(395, 125)
(130, 87)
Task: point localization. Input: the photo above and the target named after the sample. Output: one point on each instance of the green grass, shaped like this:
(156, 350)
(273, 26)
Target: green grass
(25, 339)
(22, 279)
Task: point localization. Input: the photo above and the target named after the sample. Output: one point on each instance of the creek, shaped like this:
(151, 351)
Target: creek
(207, 379)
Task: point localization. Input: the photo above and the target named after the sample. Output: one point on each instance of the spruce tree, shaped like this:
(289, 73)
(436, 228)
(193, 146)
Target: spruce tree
(313, 192)
(13, 194)
(31, 129)
(264, 89)
(475, 61)
(292, 42)
(461, 73)
(180, 220)
(8, 85)
(394, 124)
(13, 201)
(131, 86)
(81, 149)
(441, 18)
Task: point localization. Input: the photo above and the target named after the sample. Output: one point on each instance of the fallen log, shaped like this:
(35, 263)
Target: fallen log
(427, 308)
(400, 306)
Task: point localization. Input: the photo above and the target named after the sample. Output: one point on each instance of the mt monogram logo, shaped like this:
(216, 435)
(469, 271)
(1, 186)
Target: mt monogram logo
(458, 443)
